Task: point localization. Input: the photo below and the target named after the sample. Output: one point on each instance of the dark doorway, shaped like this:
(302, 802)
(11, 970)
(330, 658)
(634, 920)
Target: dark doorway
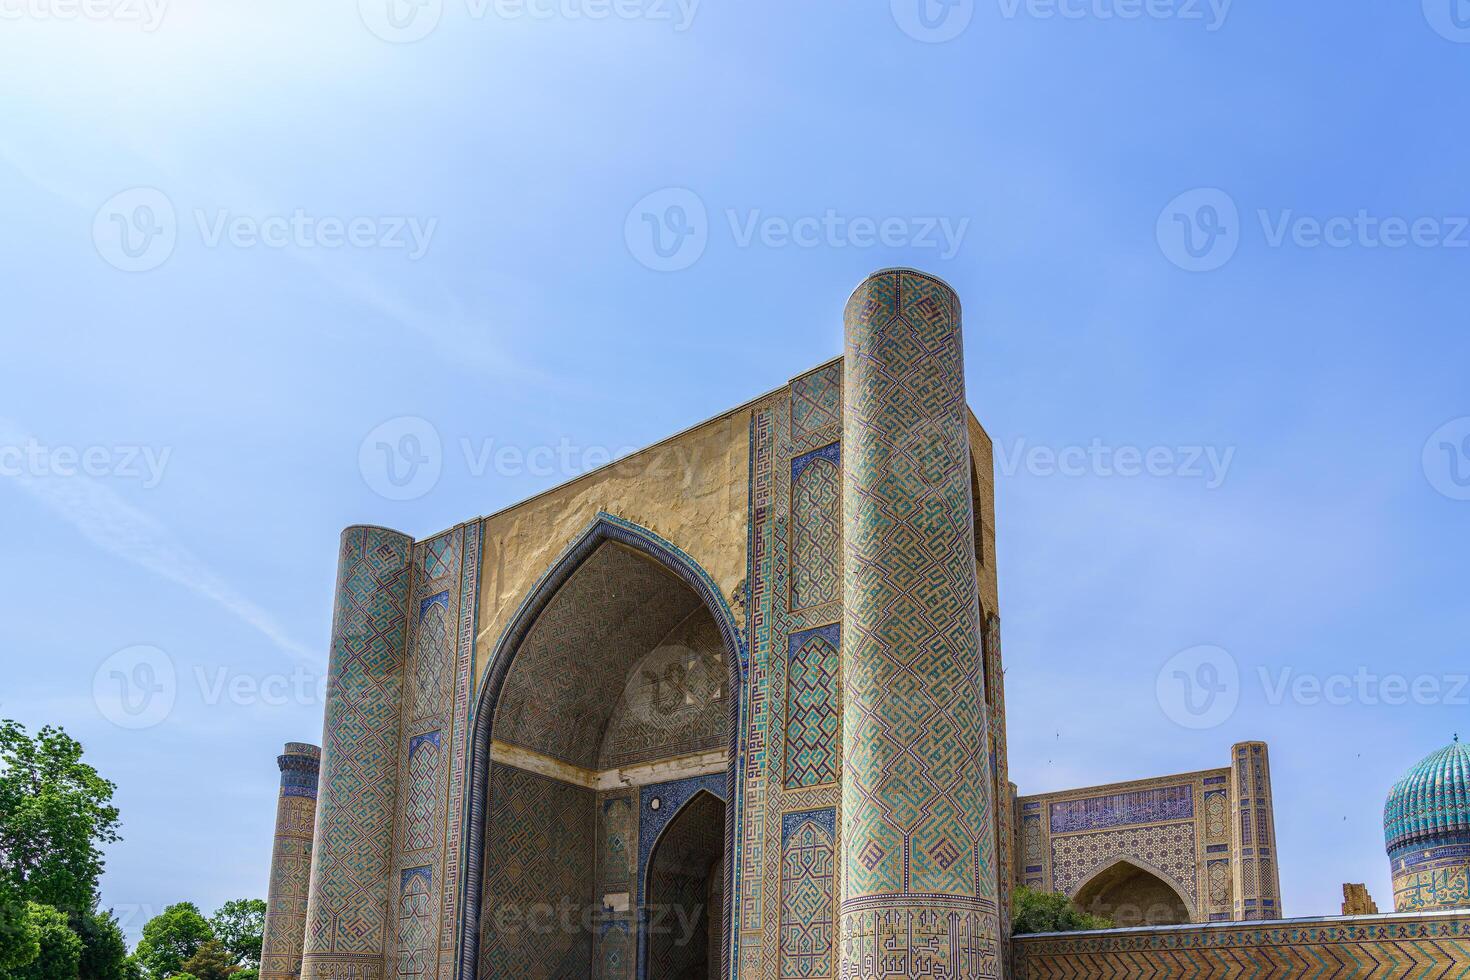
(685, 894)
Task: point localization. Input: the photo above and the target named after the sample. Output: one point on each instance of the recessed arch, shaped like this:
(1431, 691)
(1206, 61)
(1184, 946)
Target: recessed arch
(1134, 892)
(676, 890)
(605, 528)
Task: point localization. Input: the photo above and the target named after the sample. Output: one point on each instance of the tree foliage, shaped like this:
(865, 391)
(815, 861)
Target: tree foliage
(172, 937)
(212, 962)
(104, 947)
(1038, 911)
(58, 952)
(56, 813)
(240, 926)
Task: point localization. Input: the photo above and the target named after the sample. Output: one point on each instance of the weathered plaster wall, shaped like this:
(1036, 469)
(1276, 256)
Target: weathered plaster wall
(690, 490)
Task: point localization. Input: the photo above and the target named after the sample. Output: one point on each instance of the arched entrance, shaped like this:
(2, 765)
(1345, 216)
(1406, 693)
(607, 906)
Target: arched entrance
(1132, 895)
(621, 669)
(683, 903)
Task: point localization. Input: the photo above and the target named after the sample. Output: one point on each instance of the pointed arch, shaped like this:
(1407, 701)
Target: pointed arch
(603, 528)
(1100, 876)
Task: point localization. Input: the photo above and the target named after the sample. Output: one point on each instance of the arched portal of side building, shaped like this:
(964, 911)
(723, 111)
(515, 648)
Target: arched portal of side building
(1132, 895)
(605, 827)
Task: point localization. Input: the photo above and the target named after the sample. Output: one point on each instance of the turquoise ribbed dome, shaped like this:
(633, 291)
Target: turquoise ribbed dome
(1431, 805)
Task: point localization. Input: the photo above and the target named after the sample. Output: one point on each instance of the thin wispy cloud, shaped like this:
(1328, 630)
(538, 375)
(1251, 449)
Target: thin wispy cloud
(120, 529)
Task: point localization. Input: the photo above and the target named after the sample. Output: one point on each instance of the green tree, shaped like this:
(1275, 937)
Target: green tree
(212, 962)
(1038, 911)
(56, 813)
(20, 940)
(240, 926)
(104, 948)
(170, 938)
(58, 948)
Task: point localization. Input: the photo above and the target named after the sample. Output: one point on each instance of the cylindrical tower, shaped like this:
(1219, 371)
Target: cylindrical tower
(285, 904)
(347, 912)
(1257, 890)
(1426, 826)
(919, 884)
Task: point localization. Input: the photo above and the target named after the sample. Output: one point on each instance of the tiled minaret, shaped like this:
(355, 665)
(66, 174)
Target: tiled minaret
(347, 913)
(920, 886)
(285, 904)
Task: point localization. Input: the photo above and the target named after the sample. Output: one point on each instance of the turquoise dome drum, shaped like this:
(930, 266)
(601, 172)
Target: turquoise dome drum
(1426, 827)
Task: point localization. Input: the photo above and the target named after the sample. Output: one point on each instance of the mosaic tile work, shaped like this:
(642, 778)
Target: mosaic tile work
(1257, 886)
(1120, 809)
(682, 889)
(808, 895)
(541, 861)
(285, 904)
(813, 719)
(1426, 824)
(1361, 948)
(920, 889)
(423, 792)
(1169, 848)
(349, 904)
(816, 528)
(816, 402)
(415, 922)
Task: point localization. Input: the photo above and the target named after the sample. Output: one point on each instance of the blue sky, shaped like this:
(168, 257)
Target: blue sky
(348, 229)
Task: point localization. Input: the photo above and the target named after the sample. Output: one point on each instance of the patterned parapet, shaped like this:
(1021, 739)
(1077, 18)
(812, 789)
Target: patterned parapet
(285, 904)
(348, 910)
(919, 888)
(1384, 947)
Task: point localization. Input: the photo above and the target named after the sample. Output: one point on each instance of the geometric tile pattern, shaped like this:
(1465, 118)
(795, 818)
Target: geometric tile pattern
(541, 859)
(813, 722)
(609, 615)
(1257, 886)
(680, 875)
(423, 792)
(816, 537)
(1365, 948)
(290, 880)
(1432, 878)
(415, 917)
(1427, 829)
(1169, 848)
(920, 890)
(816, 401)
(808, 896)
(349, 902)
